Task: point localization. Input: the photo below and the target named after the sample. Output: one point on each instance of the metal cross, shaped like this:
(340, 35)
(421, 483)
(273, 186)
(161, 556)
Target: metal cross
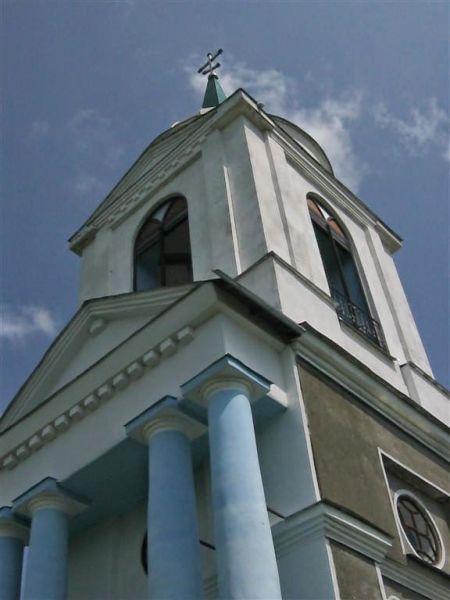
(208, 68)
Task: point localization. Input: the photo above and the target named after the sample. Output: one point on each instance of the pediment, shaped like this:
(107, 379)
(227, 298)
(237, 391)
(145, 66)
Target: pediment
(151, 163)
(99, 326)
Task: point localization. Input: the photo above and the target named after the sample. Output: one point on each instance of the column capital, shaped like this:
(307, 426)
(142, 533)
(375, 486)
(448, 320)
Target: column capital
(166, 415)
(13, 526)
(49, 494)
(226, 373)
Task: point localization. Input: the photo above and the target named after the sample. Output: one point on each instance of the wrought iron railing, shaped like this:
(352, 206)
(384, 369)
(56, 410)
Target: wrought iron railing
(358, 318)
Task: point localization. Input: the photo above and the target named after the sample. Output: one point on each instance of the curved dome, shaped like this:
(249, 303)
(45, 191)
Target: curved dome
(305, 140)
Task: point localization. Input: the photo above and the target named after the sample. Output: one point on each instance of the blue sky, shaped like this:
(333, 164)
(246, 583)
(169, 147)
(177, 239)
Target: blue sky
(87, 85)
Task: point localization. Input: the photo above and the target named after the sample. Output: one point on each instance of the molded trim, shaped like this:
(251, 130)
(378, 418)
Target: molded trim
(420, 583)
(98, 396)
(324, 520)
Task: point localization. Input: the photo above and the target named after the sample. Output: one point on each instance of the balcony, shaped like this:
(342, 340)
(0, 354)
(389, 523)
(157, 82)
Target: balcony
(359, 319)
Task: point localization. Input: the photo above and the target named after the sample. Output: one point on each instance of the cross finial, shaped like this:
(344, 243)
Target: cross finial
(208, 68)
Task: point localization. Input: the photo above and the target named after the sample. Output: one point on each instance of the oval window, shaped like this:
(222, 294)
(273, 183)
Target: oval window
(419, 529)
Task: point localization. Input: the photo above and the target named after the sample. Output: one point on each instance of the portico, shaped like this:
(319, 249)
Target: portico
(212, 417)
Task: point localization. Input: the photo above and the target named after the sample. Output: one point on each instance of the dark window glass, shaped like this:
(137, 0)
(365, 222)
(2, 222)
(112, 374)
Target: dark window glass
(329, 259)
(144, 560)
(342, 275)
(419, 530)
(148, 268)
(162, 249)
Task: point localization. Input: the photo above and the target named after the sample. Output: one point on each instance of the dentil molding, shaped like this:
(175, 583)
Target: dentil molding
(98, 396)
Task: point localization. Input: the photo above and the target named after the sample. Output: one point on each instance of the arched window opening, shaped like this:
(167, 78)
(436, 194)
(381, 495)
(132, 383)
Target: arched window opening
(342, 274)
(162, 252)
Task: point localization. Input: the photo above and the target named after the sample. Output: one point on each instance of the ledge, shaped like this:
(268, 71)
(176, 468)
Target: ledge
(323, 520)
(419, 582)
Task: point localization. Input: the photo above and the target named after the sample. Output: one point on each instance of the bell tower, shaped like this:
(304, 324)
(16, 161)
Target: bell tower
(242, 406)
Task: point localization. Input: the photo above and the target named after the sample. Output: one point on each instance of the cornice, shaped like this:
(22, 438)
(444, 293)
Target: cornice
(98, 396)
(323, 520)
(418, 581)
(335, 364)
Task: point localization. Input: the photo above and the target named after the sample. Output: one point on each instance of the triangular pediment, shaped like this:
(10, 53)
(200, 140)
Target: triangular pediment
(151, 162)
(100, 326)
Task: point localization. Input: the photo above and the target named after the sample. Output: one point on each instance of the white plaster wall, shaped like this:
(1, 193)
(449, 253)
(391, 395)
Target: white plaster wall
(377, 271)
(249, 231)
(409, 336)
(246, 199)
(427, 394)
(306, 249)
(285, 455)
(267, 190)
(107, 262)
(305, 571)
(95, 267)
(221, 226)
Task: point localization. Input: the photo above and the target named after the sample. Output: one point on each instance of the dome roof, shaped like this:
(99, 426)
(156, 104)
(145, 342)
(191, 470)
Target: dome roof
(307, 142)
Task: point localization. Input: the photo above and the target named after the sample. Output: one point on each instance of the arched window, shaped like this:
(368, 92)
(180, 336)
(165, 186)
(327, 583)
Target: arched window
(342, 275)
(162, 252)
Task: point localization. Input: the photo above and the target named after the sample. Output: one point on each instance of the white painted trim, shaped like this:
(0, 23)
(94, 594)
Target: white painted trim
(402, 532)
(306, 428)
(322, 520)
(382, 453)
(388, 489)
(381, 582)
(334, 579)
(419, 582)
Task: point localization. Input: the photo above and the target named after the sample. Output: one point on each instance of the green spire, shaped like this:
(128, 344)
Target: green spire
(214, 94)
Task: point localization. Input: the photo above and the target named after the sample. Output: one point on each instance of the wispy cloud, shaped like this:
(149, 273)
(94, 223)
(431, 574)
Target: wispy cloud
(20, 322)
(39, 129)
(97, 150)
(329, 122)
(424, 128)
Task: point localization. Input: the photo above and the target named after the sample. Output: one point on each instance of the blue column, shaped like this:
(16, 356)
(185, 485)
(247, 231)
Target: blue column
(246, 560)
(174, 571)
(11, 554)
(173, 541)
(13, 535)
(46, 571)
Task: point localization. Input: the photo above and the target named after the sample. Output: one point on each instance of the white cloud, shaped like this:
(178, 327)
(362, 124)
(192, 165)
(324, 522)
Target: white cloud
(97, 150)
(329, 122)
(446, 153)
(423, 129)
(39, 129)
(93, 135)
(20, 322)
(88, 184)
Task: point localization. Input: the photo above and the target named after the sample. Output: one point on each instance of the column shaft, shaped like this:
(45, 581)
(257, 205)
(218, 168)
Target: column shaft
(173, 543)
(11, 556)
(246, 560)
(46, 570)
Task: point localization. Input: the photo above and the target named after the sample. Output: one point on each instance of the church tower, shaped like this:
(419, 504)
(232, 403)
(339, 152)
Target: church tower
(242, 406)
